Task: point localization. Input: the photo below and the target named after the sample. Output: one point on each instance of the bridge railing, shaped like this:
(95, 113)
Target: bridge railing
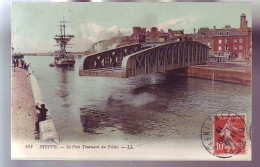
(109, 58)
(165, 57)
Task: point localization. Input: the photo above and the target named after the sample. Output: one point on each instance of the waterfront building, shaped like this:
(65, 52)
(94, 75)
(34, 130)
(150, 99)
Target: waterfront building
(137, 36)
(232, 43)
(153, 35)
(176, 35)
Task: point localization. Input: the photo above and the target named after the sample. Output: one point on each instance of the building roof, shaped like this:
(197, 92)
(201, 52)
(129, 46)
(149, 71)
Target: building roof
(204, 33)
(227, 32)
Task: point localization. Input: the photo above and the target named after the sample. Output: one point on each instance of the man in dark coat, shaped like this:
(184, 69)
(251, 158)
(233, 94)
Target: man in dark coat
(42, 115)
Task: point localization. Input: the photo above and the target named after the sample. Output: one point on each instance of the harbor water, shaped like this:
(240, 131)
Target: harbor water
(146, 108)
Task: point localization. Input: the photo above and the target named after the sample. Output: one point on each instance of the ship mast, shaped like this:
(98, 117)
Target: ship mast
(62, 39)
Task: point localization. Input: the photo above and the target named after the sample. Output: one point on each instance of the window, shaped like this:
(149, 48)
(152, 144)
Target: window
(220, 33)
(202, 34)
(240, 55)
(219, 41)
(240, 40)
(235, 47)
(153, 37)
(235, 40)
(209, 43)
(240, 47)
(226, 48)
(227, 34)
(226, 40)
(219, 48)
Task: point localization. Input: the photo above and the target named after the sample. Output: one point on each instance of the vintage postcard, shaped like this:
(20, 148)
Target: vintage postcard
(131, 81)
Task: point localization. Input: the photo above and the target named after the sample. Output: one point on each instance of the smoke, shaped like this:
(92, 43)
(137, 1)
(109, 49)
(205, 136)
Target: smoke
(137, 100)
(141, 100)
(148, 20)
(169, 23)
(92, 32)
(178, 23)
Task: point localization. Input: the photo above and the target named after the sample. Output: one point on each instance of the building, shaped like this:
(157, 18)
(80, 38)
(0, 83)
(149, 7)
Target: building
(176, 35)
(204, 35)
(230, 42)
(140, 35)
(137, 36)
(155, 36)
(233, 43)
(248, 32)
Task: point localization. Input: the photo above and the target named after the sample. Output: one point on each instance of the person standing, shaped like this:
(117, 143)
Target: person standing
(13, 62)
(19, 63)
(22, 63)
(16, 62)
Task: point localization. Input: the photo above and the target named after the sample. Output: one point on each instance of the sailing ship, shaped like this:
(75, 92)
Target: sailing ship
(63, 58)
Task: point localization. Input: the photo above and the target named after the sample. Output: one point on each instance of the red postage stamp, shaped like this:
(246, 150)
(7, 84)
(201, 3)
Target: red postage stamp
(229, 134)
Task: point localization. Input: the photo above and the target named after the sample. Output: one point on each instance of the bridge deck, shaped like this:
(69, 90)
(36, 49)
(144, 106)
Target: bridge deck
(134, 60)
(103, 72)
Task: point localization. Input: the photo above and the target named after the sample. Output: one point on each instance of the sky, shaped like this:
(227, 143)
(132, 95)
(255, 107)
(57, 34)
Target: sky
(34, 24)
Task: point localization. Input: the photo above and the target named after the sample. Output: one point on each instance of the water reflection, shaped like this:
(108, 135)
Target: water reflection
(63, 84)
(149, 107)
(134, 112)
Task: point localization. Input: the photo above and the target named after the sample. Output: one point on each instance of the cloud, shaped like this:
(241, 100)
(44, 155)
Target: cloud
(182, 21)
(90, 33)
(168, 23)
(94, 32)
(22, 43)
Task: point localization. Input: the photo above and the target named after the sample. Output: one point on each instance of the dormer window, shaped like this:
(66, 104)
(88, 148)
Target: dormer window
(227, 34)
(220, 33)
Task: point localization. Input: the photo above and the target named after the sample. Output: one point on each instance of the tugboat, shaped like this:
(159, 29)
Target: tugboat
(63, 58)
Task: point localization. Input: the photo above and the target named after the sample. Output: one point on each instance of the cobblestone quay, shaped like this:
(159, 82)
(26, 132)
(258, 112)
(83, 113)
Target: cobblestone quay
(23, 108)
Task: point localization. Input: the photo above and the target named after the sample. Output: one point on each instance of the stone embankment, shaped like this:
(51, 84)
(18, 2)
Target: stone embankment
(234, 72)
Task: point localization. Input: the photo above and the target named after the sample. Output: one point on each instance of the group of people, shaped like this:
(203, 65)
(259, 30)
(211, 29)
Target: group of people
(20, 63)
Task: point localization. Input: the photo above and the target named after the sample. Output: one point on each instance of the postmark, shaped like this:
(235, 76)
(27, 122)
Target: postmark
(224, 135)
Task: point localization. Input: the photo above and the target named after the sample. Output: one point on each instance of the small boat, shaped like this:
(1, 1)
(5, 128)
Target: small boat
(51, 65)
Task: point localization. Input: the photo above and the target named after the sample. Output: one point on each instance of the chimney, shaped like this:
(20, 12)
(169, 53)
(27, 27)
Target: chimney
(214, 27)
(194, 30)
(243, 21)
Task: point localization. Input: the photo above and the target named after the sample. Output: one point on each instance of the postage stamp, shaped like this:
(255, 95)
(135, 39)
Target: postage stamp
(131, 81)
(227, 136)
